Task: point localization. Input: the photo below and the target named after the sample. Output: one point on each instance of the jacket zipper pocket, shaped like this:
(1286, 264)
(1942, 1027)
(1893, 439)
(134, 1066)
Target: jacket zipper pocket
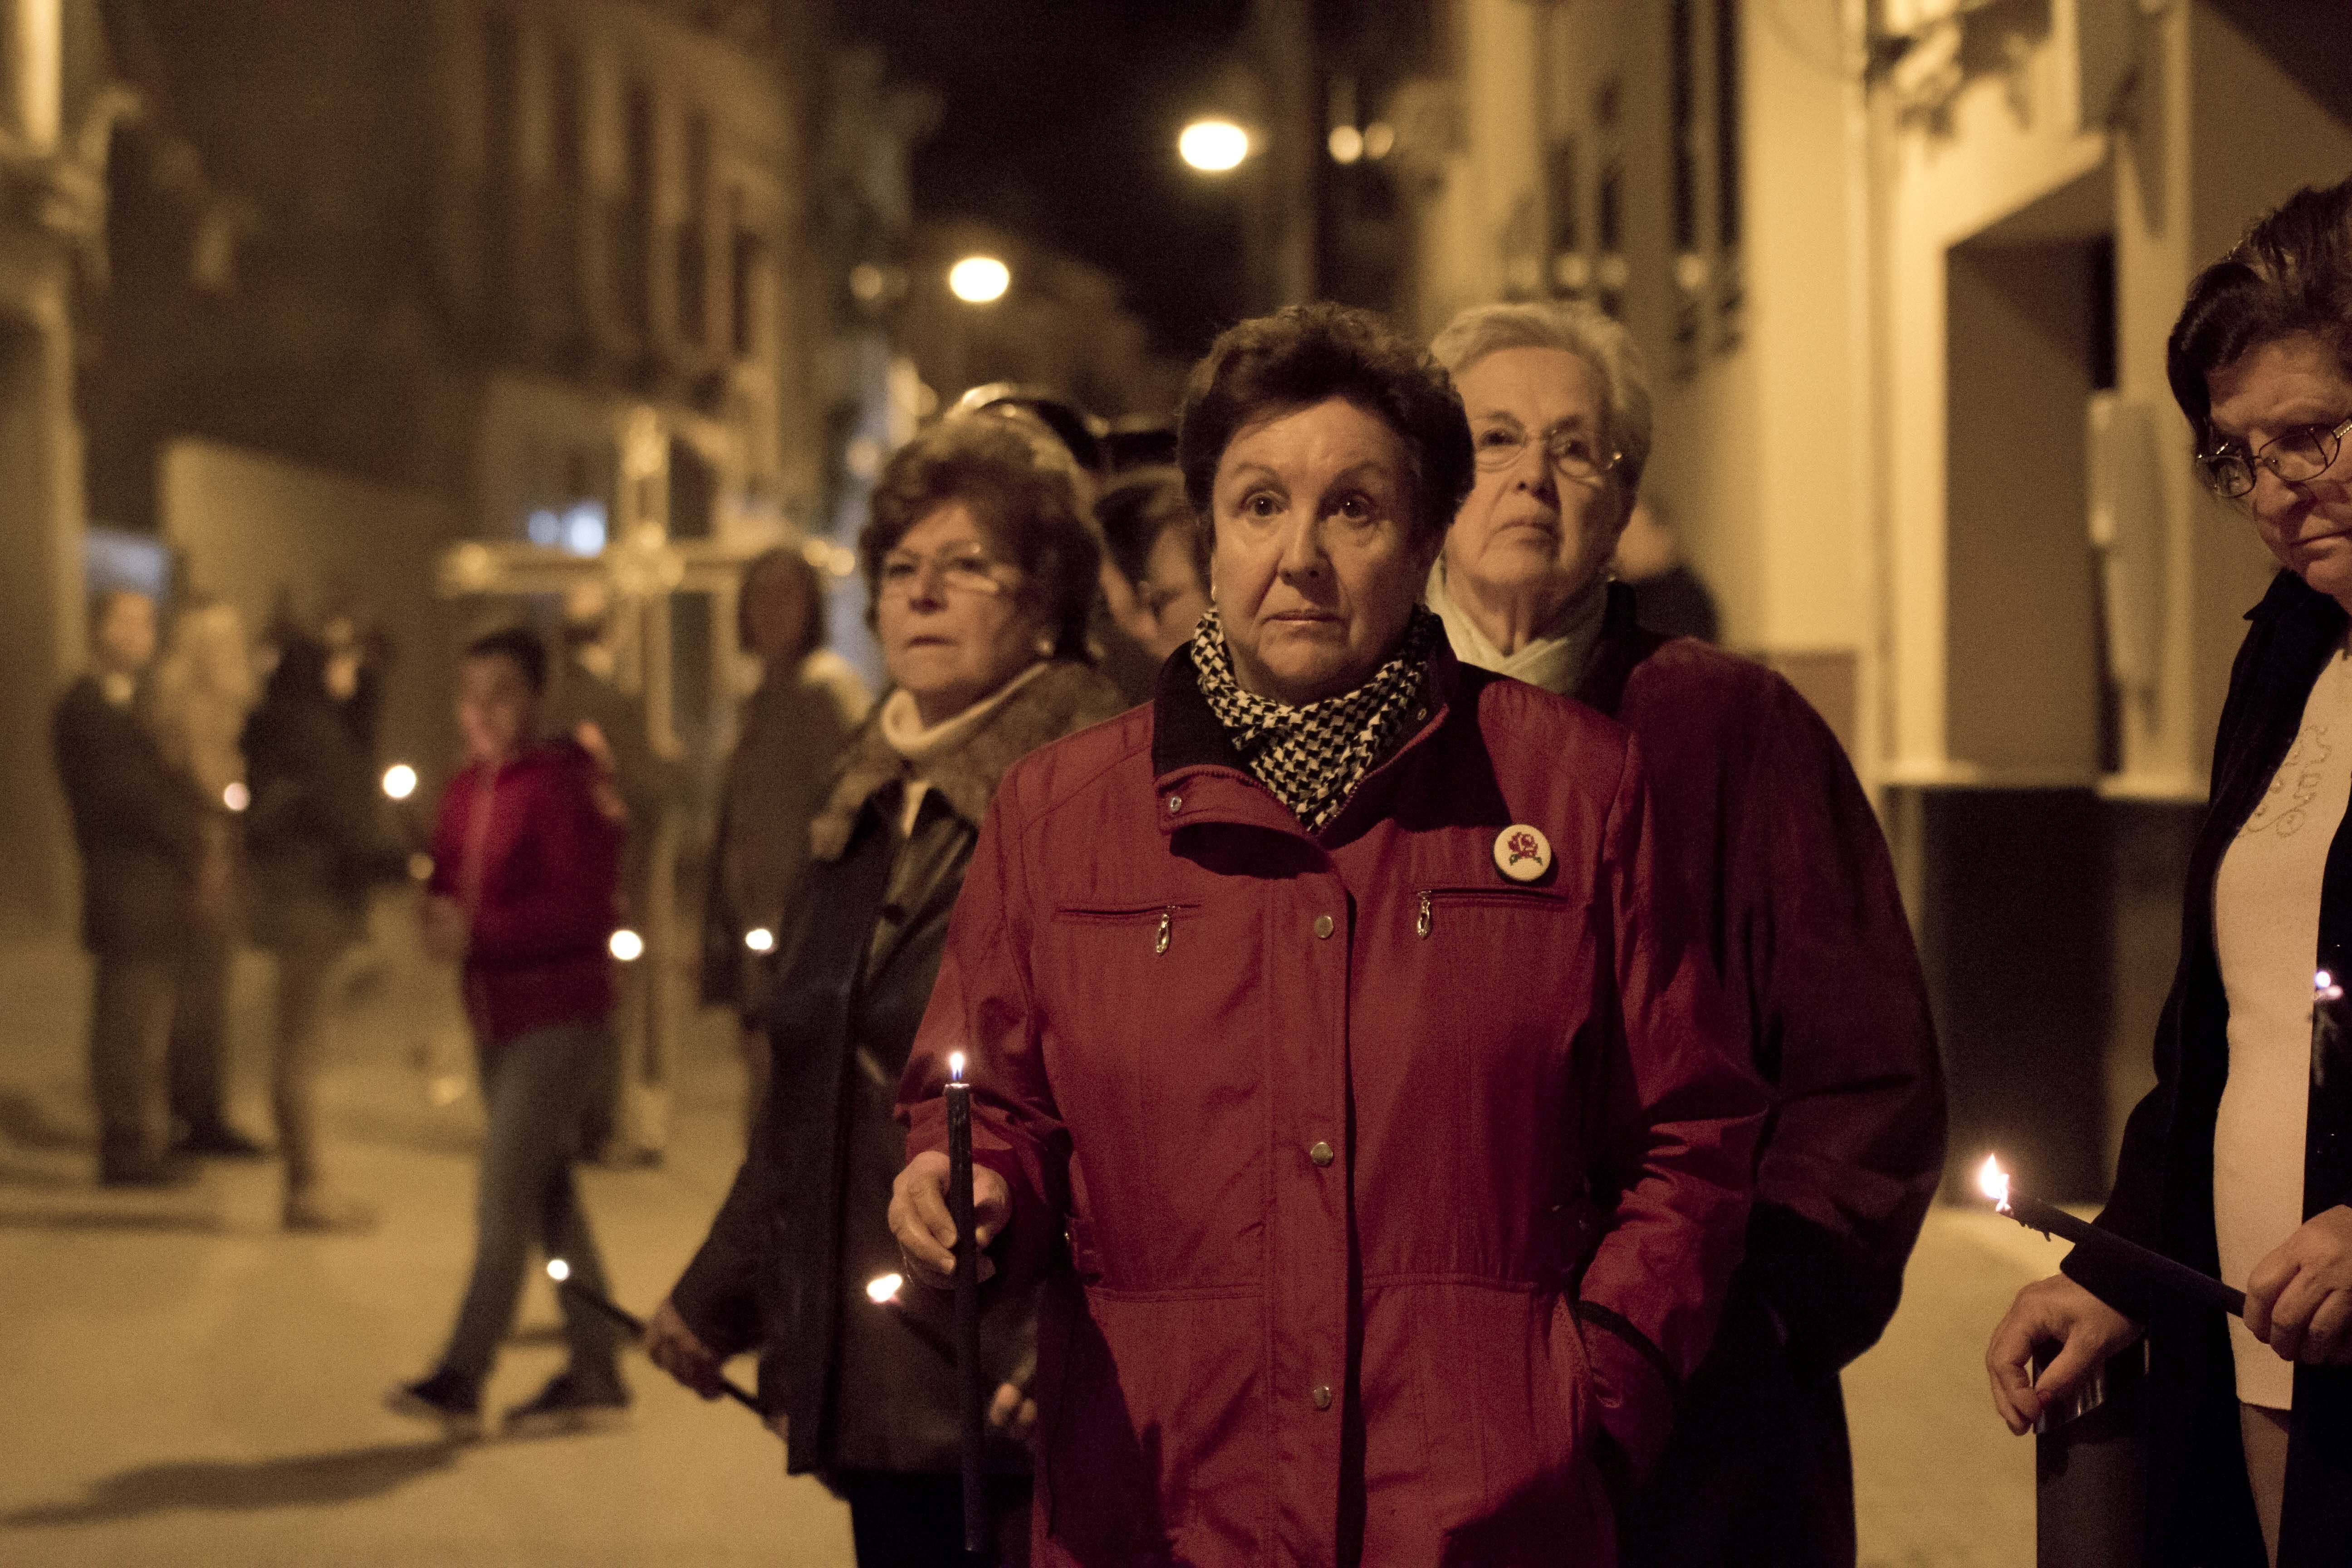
(1426, 918)
(1163, 931)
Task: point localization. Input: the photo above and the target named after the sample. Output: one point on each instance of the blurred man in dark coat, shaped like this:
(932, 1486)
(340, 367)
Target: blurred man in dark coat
(141, 825)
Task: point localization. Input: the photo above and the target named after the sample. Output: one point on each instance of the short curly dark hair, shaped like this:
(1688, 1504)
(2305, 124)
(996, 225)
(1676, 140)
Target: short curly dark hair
(1024, 491)
(1304, 354)
(2290, 275)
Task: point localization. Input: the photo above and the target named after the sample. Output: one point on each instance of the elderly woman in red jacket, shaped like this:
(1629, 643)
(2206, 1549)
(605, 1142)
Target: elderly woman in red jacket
(1336, 1010)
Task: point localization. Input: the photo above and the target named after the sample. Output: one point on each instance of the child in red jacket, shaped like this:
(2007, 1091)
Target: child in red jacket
(524, 893)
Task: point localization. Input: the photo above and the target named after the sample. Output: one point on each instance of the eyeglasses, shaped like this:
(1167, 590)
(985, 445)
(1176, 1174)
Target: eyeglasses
(961, 568)
(1575, 454)
(2296, 455)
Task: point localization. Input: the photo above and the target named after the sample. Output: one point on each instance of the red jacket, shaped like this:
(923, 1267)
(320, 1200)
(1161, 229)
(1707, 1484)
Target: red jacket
(536, 861)
(1389, 1182)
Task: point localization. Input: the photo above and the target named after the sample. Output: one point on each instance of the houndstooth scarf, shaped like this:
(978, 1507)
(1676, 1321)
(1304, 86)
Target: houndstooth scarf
(1312, 757)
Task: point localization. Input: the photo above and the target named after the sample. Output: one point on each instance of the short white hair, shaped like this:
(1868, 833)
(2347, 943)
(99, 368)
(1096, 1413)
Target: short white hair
(1573, 326)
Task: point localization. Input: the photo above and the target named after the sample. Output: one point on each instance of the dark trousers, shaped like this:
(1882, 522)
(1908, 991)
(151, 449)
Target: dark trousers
(900, 1521)
(130, 1022)
(538, 1088)
(197, 1053)
(1758, 1473)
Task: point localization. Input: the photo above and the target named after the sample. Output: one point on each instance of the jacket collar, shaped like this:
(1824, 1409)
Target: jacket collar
(1064, 696)
(1199, 777)
(1623, 644)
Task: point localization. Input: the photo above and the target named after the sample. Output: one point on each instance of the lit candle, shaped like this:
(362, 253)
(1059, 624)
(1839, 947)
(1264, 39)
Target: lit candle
(2149, 1267)
(967, 1308)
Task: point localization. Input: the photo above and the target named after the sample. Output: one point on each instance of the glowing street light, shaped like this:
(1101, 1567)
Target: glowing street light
(1213, 146)
(979, 279)
(400, 780)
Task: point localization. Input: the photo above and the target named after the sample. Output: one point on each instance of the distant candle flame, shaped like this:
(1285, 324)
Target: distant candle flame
(760, 939)
(400, 780)
(955, 1067)
(627, 945)
(882, 1289)
(558, 1270)
(1995, 1182)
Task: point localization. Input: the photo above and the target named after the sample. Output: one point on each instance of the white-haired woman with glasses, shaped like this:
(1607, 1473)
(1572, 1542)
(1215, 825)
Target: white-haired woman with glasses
(2239, 1162)
(1760, 814)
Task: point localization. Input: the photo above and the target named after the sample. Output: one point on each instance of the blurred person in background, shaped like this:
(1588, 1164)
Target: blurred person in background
(794, 729)
(524, 896)
(1331, 1013)
(1761, 814)
(2234, 1163)
(149, 874)
(1159, 558)
(1669, 597)
(316, 846)
(203, 687)
(586, 703)
(982, 571)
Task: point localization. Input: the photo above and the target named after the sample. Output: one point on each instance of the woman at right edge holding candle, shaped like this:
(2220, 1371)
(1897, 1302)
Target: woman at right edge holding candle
(1340, 1012)
(2223, 1165)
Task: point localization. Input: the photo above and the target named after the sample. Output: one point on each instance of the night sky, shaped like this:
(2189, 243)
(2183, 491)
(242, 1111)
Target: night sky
(1060, 126)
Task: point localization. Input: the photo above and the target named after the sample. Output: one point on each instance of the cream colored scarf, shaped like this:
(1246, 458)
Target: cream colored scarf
(1555, 659)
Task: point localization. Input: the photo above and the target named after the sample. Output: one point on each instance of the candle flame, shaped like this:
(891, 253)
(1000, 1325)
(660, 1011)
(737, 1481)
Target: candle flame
(627, 945)
(399, 780)
(558, 1270)
(760, 939)
(1995, 1182)
(955, 1067)
(882, 1289)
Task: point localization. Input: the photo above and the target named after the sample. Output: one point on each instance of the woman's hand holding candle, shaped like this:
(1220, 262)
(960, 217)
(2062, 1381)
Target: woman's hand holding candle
(677, 1351)
(2299, 1298)
(2058, 1311)
(925, 1232)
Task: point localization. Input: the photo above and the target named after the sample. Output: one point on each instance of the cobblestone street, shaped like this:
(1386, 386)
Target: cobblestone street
(187, 1384)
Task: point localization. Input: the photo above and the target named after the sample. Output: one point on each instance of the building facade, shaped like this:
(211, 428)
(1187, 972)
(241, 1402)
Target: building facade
(1903, 271)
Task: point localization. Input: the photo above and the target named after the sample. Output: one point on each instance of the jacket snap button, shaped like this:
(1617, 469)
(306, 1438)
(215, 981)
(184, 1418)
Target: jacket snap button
(1321, 1396)
(1320, 1152)
(1322, 925)
(1175, 804)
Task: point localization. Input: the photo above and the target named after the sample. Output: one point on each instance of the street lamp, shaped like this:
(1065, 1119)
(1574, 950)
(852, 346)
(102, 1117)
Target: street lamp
(979, 279)
(1213, 146)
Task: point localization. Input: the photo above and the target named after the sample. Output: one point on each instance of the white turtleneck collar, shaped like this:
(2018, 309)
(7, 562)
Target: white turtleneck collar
(1555, 659)
(902, 729)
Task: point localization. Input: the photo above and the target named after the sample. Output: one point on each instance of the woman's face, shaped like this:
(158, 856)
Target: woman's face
(1317, 560)
(1526, 530)
(950, 615)
(2277, 387)
(1170, 599)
